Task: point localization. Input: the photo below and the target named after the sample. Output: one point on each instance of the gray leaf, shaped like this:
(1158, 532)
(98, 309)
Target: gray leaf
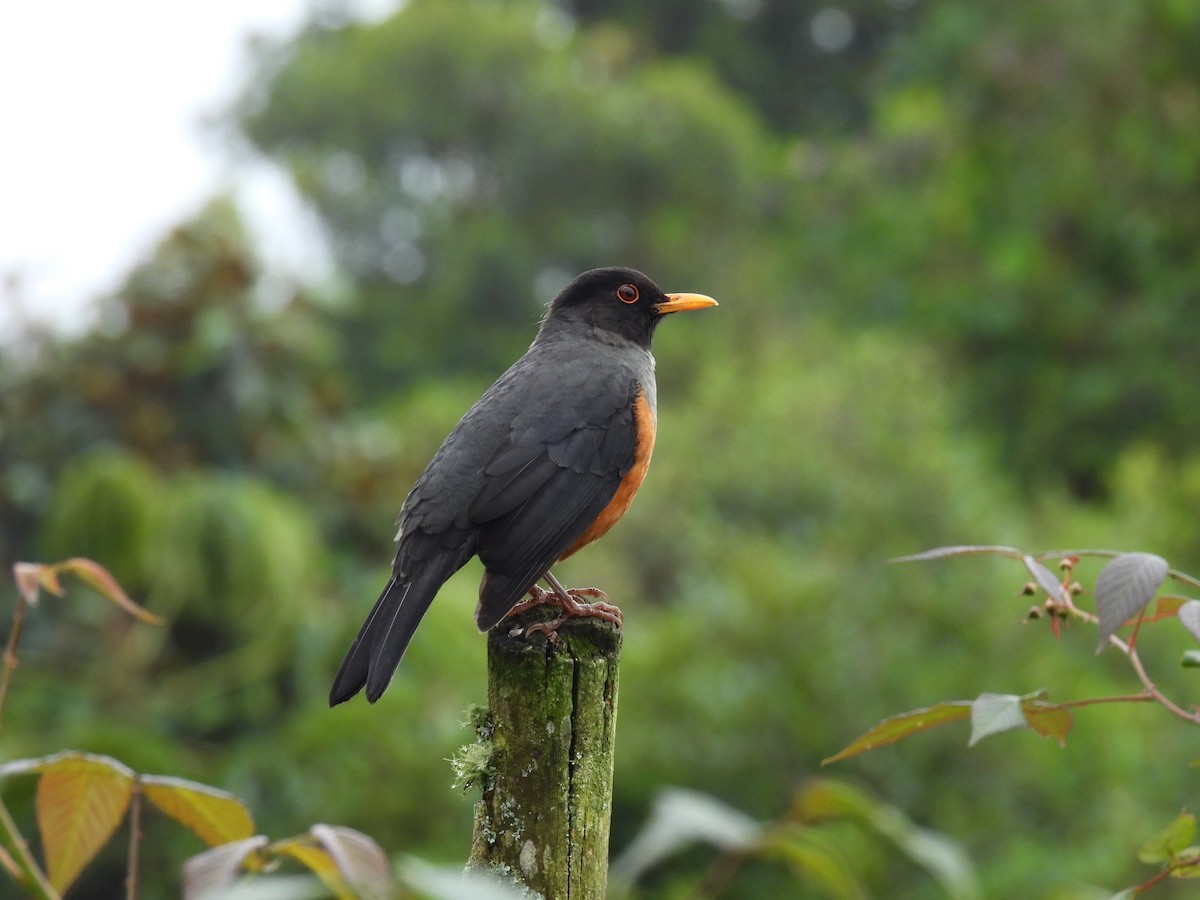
(1124, 587)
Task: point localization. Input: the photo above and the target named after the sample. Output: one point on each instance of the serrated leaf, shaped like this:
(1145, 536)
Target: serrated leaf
(211, 874)
(993, 714)
(81, 800)
(1048, 719)
(100, 580)
(1046, 580)
(1167, 844)
(960, 550)
(1123, 589)
(679, 818)
(898, 727)
(1189, 617)
(216, 817)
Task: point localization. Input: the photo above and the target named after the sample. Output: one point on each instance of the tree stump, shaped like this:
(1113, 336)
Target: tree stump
(543, 820)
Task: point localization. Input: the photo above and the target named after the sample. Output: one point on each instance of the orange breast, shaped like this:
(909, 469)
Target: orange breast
(643, 418)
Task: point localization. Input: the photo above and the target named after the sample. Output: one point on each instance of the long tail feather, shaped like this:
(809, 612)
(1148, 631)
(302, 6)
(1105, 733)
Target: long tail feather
(376, 651)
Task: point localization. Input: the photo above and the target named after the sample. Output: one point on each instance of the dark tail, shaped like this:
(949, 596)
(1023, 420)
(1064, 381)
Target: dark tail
(372, 658)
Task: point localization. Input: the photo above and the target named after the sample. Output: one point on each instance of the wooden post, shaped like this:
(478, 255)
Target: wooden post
(543, 820)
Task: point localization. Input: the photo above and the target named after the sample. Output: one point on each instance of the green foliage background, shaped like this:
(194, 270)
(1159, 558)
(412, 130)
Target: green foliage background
(957, 259)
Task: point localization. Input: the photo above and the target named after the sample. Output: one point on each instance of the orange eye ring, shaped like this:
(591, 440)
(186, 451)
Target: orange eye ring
(628, 293)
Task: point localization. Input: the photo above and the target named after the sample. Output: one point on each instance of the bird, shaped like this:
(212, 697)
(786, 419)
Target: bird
(544, 463)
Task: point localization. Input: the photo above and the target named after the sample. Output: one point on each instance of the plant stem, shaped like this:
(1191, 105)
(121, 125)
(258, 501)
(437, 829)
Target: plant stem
(135, 840)
(32, 879)
(10, 654)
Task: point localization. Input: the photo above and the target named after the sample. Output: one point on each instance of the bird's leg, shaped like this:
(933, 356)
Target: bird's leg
(569, 601)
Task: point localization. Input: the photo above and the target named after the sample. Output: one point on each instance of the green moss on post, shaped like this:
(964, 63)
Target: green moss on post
(547, 792)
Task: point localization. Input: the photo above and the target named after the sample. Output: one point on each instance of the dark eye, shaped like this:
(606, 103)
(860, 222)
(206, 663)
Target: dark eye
(627, 293)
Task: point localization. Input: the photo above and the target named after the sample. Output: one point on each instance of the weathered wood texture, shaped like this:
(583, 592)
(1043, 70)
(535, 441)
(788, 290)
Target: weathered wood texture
(547, 794)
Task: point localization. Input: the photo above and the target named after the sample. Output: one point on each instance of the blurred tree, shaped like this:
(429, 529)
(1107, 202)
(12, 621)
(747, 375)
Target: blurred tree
(469, 158)
(1028, 193)
(196, 360)
(806, 66)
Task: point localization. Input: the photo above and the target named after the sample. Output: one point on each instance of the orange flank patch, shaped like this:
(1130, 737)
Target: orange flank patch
(643, 422)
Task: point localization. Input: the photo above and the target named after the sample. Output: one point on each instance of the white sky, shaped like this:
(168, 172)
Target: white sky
(102, 144)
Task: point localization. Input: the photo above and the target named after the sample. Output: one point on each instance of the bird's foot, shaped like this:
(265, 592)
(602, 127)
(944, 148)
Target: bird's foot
(572, 606)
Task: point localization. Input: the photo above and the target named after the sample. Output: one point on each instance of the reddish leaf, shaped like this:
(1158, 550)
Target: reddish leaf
(898, 727)
(1123, 589)
(215, 816)
(1049, 719)
(101, 581)
(34, 577)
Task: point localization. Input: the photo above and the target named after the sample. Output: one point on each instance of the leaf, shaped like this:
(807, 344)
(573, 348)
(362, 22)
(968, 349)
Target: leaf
(359, 858)
(31, 578)
(681, 817)
(1187, 863)
(1167, 844)
(81, 799)
(895, 728)
(1046, 580)
(101, 581)
(215, 816)
(1168, 605)
(960, 550)
(1048, 719)
(1189, 617)
(212, 873)
(306, 851)
(446, 883)
(937, 854)
(818, 858)
(1123, 589)
(993, 714)
(1191, 659)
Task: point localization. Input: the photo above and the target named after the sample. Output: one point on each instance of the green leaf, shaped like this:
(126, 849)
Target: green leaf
(1187, 863)
(995, 713)
(1123, 589)
(898, 727)
(1191, 659)
(818, 858)
(1167, 844)
(216, 817)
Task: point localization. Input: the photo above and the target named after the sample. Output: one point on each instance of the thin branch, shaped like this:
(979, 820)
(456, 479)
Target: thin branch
(135, 841)
(32, 879)
(9, 663)
(1148, 683)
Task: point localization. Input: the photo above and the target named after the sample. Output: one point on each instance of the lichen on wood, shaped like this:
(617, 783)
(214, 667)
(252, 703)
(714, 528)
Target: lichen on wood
(543, 819)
